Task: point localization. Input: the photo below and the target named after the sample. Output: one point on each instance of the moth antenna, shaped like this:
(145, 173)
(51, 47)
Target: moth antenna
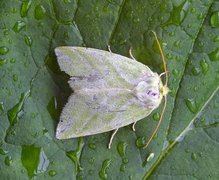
(162, 74)
(163, 58)
(158, 125)
(165, 97)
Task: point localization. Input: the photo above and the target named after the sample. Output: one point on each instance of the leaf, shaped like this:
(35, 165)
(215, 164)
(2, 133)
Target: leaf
(33, 91)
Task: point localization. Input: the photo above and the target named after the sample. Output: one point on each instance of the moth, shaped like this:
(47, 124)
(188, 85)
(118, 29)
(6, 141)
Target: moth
(110, 91)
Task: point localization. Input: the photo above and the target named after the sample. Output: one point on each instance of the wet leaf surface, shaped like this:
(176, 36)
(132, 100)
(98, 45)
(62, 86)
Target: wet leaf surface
(33, 90)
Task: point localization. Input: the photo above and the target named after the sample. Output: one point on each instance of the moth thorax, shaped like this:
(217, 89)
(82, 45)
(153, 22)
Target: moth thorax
(148, 93)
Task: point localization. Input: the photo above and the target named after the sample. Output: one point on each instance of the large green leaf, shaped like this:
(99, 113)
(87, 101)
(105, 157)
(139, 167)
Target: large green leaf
(33, 90)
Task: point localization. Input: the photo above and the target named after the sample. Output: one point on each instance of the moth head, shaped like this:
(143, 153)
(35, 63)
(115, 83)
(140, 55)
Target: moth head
(164, 90)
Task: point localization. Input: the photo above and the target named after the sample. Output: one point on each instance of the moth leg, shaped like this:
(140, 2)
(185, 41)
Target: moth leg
(109, 49)
(133, 126)
(162, 74)
(111, 138)
(131, 55)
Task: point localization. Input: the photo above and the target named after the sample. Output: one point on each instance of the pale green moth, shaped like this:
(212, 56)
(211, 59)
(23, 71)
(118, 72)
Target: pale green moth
(109, 91)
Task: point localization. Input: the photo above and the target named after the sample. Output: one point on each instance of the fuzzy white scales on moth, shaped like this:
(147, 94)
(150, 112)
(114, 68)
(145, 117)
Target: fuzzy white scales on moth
(109, 91)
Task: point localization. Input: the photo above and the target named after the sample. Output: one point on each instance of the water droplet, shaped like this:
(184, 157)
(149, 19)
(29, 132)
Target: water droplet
(13, 10)
(216, 39)
(196, 88)
(175, 72)
(187, 150)
(178, 14)
(150, 19)
(121, 148)
(12, 132)
(191, 104)
(189, 25)
(202, 119)
(140, 142)
(22, 171)
(6, 31)
(35, 134)
(92, 145)
(45, 131)
(196, 71)
(8, 160)
(91, 172)
(15, 77)
(26, 64)
(43, 163)
(125, 160)
(17, 111)
(14, 111)
(210, 35)
(172, 93)
(204, 66)
(156, 116)
(200, 44)
(150, 157)
(40, 12)
(3, 152)
(121, 41)
(91, 160)
(200, 16)
(136, 20)
(52, 173)
(214, 56)
(122, 167)
(66, 35)
(2, 108)
(25, 5)
(3, 50)
(193, 156)
(200, 154)
(214, 22)
(30, 158)
(18, 26)
(177, 43)
(163, 7)
(33, 114)
(96, 8)
(67, 1)
(28, 41)
(172, 34)
(75, 155)
(3, 61)
(216, 104)
(80, 177)
(174, 80)
(193, 10)
(12, 60)
(105, 166)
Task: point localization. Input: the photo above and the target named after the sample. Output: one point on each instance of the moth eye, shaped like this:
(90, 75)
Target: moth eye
(152, 93)
(95, 97)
